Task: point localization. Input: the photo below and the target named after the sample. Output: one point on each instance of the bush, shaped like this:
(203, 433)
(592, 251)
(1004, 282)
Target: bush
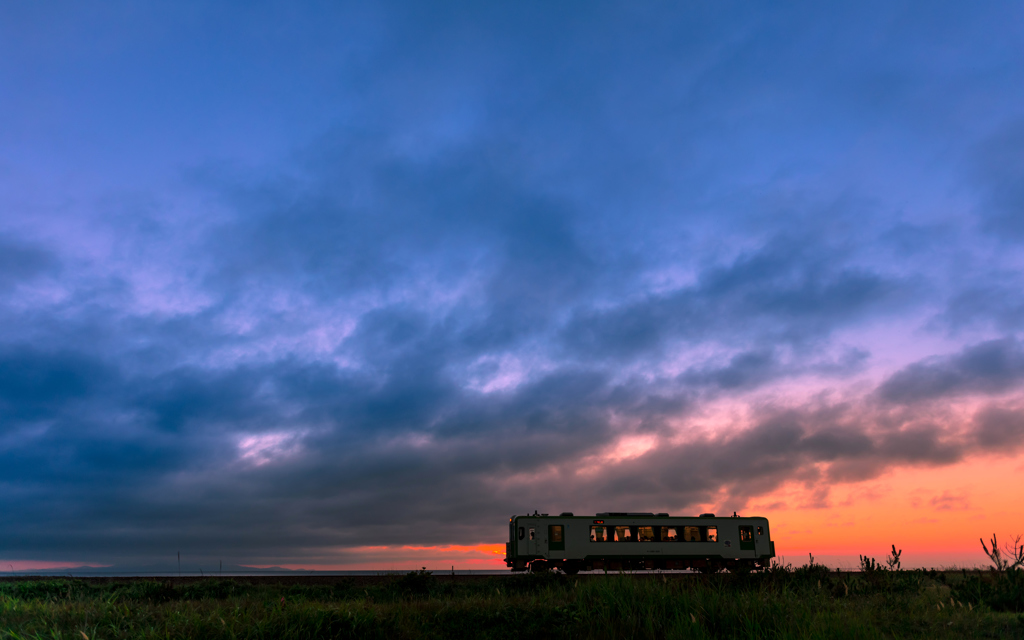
(43, 589)
(533, 582)
(415, 584)
(154, 591)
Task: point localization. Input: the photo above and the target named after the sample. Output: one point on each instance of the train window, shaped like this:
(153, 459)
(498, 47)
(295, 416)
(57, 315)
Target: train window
(760, 531)
(712, 534)
(522, 533)
(645, 534)
(669, 534)
(746, 534)
(621, 534)
(556, 537)
(691, 534)
(599, 534)
(533, 533)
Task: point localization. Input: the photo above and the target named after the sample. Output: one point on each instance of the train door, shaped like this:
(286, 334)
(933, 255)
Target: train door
(746, 538)
(533, 539)
(556, 538)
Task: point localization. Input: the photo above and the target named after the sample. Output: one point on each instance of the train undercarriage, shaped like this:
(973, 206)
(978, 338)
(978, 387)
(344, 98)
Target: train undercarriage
(701, 565)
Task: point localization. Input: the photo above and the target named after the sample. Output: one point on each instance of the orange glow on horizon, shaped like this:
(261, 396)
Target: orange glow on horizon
(408, 558)
(935, 515)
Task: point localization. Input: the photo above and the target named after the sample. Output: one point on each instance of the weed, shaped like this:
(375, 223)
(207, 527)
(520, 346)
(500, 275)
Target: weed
(1014, 552)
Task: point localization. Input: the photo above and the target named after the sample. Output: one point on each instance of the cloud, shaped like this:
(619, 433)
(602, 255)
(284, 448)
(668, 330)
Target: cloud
(949, 502)
(760, 366)
(1000, 428)
(988, 305)
(743, 370)
(37, 384)
(310, 457)
(233, 428)
(780, 292)
(21, 262)
(989, 367)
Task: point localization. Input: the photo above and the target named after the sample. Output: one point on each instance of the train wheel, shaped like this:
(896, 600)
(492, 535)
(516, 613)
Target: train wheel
(571, 568)
(538, 566)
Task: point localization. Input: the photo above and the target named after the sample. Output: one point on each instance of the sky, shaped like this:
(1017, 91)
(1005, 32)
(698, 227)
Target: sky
(346, 285)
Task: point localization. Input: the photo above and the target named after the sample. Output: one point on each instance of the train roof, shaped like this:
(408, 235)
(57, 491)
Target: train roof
(631, 514)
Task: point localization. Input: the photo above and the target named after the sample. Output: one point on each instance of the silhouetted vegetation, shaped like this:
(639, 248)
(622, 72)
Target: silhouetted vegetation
(1002, 588)
(809, 601)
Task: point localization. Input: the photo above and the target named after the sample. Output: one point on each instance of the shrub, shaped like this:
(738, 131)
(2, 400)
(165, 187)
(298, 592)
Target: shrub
(43, 589)
(416, 584)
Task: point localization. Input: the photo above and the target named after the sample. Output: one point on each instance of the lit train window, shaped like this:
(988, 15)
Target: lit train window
(760, 531)
(622, 534)
(700, 534)
(599, 534)
(669, 534)
(645, 534)
(533, 533)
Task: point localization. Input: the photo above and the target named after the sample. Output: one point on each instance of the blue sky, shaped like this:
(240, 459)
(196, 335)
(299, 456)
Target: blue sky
(284, 280)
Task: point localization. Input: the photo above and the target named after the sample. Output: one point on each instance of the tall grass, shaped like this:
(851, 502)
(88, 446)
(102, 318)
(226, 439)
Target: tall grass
(807, 602)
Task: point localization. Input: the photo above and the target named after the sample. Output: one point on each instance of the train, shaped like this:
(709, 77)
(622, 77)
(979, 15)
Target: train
(625, 541)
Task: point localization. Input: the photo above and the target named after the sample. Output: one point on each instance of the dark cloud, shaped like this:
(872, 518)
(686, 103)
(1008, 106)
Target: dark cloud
(37, 384)
(990, 305)
(358, 459)
(744, 370)
(21, 262)
(989, 367)
(1000, 429)
(781, 292)
(758, 367)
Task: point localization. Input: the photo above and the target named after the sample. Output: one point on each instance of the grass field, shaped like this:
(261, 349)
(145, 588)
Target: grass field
(809, 602)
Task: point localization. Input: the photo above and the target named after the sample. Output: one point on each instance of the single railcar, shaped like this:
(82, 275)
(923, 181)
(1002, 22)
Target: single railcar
(633, 541)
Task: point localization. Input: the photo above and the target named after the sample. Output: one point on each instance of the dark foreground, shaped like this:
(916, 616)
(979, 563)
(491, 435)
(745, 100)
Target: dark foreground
(809, 602)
